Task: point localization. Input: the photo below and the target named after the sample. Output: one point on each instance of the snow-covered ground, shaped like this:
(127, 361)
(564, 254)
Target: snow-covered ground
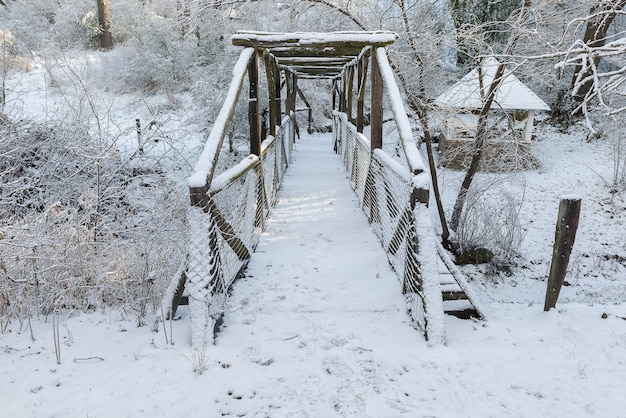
(318, 328)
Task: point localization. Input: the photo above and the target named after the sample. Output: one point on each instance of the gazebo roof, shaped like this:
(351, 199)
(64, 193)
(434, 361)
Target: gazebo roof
(511, 95)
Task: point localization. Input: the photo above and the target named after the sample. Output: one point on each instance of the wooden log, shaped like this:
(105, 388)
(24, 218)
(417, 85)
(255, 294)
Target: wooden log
(566, 226)
(377, 105)
(254, 107)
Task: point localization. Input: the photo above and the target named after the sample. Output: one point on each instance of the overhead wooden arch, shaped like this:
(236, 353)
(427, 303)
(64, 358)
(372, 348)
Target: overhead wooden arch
(340, 56)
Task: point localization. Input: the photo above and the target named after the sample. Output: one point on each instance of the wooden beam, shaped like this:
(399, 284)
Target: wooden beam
(376, 120)
(294, 88)
(344, 39)
(316, 62)
(308, 105)
(254, 107)
(314, 54)
(288, 88)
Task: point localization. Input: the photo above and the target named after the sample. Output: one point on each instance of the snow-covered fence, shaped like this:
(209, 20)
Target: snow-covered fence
(225, 230)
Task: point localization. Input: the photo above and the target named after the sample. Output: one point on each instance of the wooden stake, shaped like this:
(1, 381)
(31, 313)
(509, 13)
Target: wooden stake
(566, 226)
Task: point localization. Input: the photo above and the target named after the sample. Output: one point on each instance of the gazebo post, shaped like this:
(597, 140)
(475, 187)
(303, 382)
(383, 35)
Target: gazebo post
(528, 128)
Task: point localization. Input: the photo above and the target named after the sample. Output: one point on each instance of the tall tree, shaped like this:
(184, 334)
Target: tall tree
(481, 128)
(104, 20)
(601, 15)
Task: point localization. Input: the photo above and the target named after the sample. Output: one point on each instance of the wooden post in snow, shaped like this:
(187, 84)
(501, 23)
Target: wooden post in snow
(566, 226)
(254, 107)
(376, 121)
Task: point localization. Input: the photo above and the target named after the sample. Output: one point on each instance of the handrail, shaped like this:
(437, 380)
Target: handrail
(231, 175)
(205, 167)
(411, 152)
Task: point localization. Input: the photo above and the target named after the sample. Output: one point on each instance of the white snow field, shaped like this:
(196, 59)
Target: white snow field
(318, 328)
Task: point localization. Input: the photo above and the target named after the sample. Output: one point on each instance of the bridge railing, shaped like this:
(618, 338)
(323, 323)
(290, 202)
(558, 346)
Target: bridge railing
(394, 198)
(228, 211)
(225, 231)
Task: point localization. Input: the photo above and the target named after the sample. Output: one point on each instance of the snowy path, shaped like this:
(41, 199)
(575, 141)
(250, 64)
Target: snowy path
(320, 308)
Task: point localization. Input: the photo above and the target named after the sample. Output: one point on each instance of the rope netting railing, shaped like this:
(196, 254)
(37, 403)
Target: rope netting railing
(387, 192)
(225, 231)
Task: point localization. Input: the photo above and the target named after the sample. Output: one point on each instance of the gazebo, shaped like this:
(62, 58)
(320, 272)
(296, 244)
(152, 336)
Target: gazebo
(511, 118)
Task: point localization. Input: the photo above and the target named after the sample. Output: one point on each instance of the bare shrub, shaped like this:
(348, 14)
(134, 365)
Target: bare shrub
(88, 214)
(491, 218)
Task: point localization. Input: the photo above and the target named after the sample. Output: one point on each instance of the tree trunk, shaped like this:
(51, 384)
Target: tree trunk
(481, 128)
(595, 37)
(104, 20)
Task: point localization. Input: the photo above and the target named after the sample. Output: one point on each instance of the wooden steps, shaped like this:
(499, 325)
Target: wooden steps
(455, 300)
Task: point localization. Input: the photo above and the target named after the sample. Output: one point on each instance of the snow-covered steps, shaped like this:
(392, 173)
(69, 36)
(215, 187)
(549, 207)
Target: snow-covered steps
(458, 298)
(456, 302)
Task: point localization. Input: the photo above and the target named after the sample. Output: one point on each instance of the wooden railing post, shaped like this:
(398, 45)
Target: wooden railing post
(276, 104)
(377, 105)
(254, 108)
(271, 90)
(361, 82)
(350, 81)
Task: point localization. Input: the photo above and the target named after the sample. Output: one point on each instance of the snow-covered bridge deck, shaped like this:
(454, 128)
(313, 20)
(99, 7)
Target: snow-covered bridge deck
(319, 306)
(318, 259)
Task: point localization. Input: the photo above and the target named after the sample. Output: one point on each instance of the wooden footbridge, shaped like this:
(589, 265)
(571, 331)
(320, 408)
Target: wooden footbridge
(228, 211)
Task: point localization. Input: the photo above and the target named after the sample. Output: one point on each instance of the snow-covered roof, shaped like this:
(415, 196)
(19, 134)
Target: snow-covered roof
(511, 95)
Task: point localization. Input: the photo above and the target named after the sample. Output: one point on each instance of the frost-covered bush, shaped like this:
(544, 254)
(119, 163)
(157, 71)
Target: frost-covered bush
(40, 24)
(85, 222)
(491, 221)
(162, 59)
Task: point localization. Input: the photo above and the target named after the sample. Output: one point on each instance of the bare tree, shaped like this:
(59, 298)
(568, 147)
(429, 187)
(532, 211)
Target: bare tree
(591, 82)
(597, 24)
(481, 128)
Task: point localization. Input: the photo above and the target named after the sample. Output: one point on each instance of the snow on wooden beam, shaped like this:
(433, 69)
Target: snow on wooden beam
(357, 39)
